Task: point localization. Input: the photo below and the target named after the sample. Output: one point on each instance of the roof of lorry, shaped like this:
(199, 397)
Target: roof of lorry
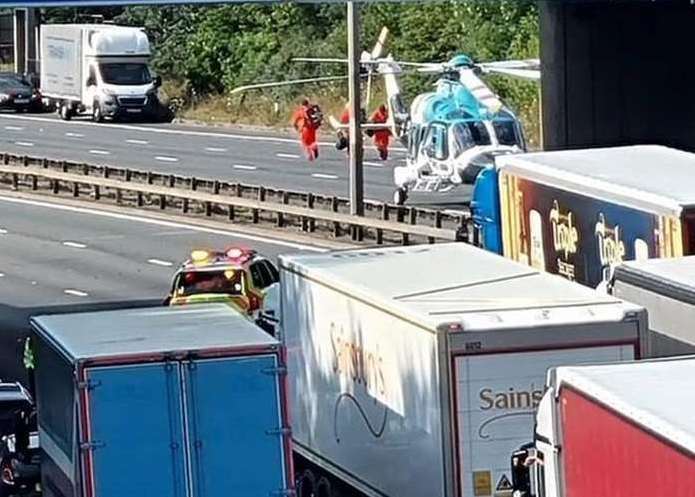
(643, 176)
(660, 274)
(152, 330)
(658, 395)
(456, 282)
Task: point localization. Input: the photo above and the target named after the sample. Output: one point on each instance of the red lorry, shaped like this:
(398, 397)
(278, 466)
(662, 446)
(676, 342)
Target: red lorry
(618, 430)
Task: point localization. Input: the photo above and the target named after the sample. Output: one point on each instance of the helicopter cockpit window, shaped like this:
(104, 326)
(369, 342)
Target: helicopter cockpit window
(435, 145)
(506, 132)
(468, 135)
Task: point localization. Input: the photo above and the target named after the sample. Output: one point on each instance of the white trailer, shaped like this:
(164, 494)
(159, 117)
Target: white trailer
(416, 371)
(97, 69)
(666, 288)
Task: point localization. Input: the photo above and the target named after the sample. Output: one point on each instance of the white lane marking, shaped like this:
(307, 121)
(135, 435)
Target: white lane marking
(2, 275)
(373, 164)
(76, 293)
(24, 144)
(74, 135)
(75, 245)
(244, 167)
(3, 231)
(168, 224)
(159, 262)
(164, 158)
(287, 156)
(324, 176)
(14, 128)
(138, 142)
(100, 152)
(215, 149)
(168, 131)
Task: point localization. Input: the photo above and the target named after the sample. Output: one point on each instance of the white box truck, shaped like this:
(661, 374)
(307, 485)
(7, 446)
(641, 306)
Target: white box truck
(666, 289)
(101, 70)
(416, 371)
(618, 430)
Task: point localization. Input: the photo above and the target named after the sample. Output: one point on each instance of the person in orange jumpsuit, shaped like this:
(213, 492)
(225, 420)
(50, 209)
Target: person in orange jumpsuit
(381, 137)
(306, 129)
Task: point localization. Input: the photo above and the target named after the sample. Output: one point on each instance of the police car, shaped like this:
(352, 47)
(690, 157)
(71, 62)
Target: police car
(238, 277)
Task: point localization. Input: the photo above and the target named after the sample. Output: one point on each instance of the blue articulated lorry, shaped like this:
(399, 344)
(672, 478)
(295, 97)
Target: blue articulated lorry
(161, 402)
(579, 213)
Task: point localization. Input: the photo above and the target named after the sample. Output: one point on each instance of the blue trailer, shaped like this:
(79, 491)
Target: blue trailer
(161, 402)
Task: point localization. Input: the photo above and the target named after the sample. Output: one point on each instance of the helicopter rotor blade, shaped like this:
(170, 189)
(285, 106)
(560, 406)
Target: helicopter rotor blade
(320, 60)
(274, 84)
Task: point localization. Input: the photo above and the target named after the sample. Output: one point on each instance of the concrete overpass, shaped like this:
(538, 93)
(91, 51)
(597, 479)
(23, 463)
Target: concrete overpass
(618, 72)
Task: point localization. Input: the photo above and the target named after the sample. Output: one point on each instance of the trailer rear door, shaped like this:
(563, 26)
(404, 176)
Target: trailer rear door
(128, 447)
(235, 426)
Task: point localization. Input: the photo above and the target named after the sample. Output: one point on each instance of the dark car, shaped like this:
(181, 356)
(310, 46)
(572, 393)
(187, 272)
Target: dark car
(17, 94)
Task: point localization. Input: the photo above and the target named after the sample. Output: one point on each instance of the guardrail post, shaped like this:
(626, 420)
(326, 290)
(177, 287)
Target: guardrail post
(128, 174)
(385, 211)
(64, 166)
(413, 216)
(162, 202)
(208, 209)
(216, 187)
(85, 169)
(231, 212)
(405, 239)
(25, 161)
(106, 172)
(399, 214)
(184, 205)
(261, 198)
(75, 189)
(308, 223)
(6, 159)
(44, 163)
(379, 236)
(56, 186)
(119, 195)
(140, 199)
(285, 201)
(34, 182)
(15, 181)
(97, 193)
(150, 177)
(194, 184)
(336, 225)
(438, 219)
(171, 181)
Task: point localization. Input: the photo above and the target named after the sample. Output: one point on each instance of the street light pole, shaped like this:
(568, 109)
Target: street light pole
(356, 151)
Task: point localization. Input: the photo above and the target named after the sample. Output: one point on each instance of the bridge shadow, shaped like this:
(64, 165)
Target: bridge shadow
(14, 327)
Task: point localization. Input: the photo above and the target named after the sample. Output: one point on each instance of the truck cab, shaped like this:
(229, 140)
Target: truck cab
(98, 70)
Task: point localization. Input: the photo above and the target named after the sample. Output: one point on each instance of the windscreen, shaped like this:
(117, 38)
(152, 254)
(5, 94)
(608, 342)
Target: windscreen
(13, 81)
(119, 73)
(506, 132)
(468, 135)
(224, 281)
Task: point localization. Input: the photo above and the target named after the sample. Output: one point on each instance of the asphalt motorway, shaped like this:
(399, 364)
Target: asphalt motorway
(255, 158)
(56, 258)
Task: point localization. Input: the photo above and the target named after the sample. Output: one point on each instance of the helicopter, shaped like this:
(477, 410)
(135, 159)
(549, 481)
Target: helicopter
(456, 130)
(451, 133)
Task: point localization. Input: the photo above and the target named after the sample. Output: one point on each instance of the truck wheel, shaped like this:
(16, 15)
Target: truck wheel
(324, 488)
(6, 477)
(97, 113)
(306, 484)
(65, 111)
(400, 196)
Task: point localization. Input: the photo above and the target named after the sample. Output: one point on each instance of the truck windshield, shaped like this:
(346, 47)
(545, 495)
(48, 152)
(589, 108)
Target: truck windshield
(120, 73)
(228, 282)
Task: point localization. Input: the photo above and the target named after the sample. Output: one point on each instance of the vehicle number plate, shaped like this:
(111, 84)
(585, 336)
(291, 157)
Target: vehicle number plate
(21, 100)
(134, 111)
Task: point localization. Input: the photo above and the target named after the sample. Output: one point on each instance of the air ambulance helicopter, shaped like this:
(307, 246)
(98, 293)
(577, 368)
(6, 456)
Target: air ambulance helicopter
(450, 133)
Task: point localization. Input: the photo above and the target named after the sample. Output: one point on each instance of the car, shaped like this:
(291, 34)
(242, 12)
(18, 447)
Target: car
(17, 94)
(19, 443)
(239, 277)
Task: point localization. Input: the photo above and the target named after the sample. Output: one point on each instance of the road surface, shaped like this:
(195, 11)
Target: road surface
(57, 258)
(271, 160)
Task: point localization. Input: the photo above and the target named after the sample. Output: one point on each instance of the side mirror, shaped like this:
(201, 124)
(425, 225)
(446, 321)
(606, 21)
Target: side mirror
(521, 478)
(157, 81)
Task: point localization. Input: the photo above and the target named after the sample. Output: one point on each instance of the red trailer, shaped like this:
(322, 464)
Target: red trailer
(617, 430)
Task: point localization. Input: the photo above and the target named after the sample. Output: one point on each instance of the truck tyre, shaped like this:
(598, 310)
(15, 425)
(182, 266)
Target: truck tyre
(5, 474)
(65, 111)
(324, 488)
(306, 484)
(97, 113)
